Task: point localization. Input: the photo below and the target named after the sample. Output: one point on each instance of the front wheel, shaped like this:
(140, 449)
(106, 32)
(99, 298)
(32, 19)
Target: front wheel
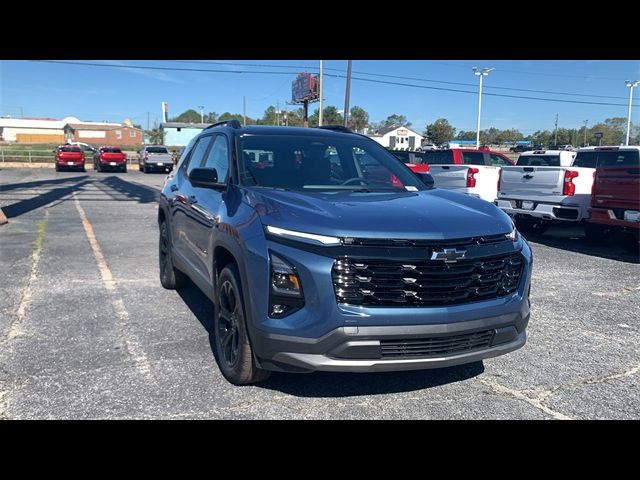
(531, 226)
(233, 347)
(170, 278)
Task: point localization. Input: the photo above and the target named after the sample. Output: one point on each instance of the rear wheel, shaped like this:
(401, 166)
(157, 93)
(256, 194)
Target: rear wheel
(631, 243)
(531, 226)
(596, 234)
(145, 169)
(170, 278)
(233, 347)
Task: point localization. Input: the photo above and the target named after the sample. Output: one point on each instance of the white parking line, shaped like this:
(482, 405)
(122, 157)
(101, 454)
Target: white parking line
(133, 346)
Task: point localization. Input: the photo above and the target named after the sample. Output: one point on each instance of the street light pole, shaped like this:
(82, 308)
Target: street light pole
(346, 96)
(320, 81)
(631, 85)
(585, 133)
(201, 107)
(480, 72)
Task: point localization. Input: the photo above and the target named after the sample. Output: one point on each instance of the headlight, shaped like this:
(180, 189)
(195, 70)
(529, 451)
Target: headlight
(302, 236)
(513, 236)
(285, 289)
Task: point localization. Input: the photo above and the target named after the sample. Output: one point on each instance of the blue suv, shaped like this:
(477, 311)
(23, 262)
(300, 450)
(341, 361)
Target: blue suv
(322, 251)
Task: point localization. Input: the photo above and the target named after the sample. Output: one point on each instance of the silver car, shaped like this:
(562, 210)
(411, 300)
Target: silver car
(155, 158)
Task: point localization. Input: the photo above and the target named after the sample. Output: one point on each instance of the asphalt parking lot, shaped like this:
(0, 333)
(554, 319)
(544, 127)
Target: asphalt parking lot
(86, 330)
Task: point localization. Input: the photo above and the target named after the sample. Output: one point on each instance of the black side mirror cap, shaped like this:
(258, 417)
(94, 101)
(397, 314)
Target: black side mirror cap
(204, 177)
(426, 178)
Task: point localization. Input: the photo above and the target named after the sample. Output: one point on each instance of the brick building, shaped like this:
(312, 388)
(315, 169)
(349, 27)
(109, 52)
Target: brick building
(103, 133)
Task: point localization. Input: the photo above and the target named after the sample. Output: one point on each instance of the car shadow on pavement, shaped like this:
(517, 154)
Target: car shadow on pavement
(135, 191)
(329, 384)
(41, 183)
(572, 238)
(24, 206)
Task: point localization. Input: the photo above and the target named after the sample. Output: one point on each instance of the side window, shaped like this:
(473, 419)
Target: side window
(586, 159)
(473, 158)
(613, 159)
(196, 159)
(218, 157)
(497, 161)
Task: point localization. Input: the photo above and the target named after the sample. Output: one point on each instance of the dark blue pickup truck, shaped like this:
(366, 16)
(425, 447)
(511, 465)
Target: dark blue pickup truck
(322, 251)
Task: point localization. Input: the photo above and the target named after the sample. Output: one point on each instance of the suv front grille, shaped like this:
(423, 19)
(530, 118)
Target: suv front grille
(381, 283)
(436, 346)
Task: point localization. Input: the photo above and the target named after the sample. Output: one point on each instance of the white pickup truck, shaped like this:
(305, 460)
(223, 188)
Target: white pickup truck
(477, 174)
(548, 185)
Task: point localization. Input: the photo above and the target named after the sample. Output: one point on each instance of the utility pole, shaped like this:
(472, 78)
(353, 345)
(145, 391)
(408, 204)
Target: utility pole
(585, 133)
(244, 110)
(148, 120)
(631, 86)
(555, 142)
(346, 96)
(480, 72)
(320, 91)
(278, 112)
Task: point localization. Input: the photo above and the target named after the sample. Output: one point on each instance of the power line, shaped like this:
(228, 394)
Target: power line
(406, 78)
(330, 75)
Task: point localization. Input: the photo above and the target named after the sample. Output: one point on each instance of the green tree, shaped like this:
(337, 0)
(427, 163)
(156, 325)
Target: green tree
(466, 135)
(294, 118)
(269, 117)
(440, 131)
(236, 116)
(396, 120)
(330, 116)
(489, 136)
(509, 136)
(211, 117)
(155, 136)
(188, 116)
(358, 118)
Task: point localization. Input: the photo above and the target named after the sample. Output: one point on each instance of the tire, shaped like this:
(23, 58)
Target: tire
(57, 168)
(170, 278)
(124, 170)
(232, 345)
(596, 234)
(145, 169)
(631, 243)
(531, 227)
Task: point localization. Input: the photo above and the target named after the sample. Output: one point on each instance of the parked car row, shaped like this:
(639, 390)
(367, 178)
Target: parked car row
(596, 186)
(151, 158)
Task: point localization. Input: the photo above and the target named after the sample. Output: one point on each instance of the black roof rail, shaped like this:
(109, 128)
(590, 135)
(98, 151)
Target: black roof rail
(337, 128)
(233, 123)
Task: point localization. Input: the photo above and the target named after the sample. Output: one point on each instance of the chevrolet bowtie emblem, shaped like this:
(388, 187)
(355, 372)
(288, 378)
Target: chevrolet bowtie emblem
(448, 255)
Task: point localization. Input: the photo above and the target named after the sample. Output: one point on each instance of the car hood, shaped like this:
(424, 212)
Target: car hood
(431, 214)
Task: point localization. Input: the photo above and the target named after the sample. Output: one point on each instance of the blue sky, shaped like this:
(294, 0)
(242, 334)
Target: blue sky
(107, 93)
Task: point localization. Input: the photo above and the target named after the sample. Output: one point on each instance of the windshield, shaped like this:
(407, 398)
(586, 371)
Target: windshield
(157, 150)
(538, 160)
(439, 157)
(70, 149)
(310, 162)
(606, 158)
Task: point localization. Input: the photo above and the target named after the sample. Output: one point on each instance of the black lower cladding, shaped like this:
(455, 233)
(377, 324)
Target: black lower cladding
(425, 283)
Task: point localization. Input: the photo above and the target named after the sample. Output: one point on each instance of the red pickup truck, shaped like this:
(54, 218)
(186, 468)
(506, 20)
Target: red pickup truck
(69, 157)
(615, 199)
(109, 158)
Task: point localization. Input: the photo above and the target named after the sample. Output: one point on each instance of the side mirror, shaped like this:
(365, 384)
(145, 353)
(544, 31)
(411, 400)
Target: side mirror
(204, 177)
(426, 178)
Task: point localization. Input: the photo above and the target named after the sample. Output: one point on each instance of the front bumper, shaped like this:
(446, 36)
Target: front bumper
(360, 349)
(544, 211)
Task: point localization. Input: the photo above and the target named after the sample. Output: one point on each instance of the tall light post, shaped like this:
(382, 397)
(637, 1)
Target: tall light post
(320, 82)
(585, 133)
(480, 72)
(631, 85)
(201, 107)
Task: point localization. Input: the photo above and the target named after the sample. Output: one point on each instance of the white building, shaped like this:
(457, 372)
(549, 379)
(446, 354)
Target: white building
(34, 130)
(397, 138)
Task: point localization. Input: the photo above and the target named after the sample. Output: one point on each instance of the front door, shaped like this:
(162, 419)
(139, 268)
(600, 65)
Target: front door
(412, 143)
